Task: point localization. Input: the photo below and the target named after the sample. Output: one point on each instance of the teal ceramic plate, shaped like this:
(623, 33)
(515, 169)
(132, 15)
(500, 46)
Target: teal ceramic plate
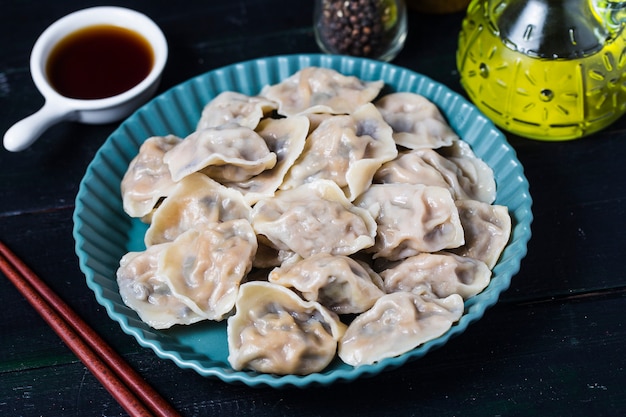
(103, 232)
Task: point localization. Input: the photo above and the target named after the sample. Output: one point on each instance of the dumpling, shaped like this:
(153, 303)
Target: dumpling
(466, 181)
(196, 201)
(321, 90)
(487, 230)
(148, 178)
(416, 121)
(468, 177)
(410, 168)
(443, 274)
(207, 266)
(345, 149)
(339, 283)
(233, 107)
(275, 331)
(412, 218)
(397, 323)
(225, 153)
(315, 119)
(148, 293)
(475, 176)
(314, 218)
(458, 149)
(284, 138)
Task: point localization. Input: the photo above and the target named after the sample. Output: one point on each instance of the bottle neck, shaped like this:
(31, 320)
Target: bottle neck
(551, 29)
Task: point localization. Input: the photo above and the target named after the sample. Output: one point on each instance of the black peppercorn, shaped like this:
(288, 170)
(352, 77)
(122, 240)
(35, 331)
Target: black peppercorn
(355, 27)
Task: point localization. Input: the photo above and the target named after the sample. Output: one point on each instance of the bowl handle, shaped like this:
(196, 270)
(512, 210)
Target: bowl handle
(25, 132)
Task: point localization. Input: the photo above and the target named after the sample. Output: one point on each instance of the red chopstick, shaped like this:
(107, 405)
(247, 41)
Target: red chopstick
(132, 392)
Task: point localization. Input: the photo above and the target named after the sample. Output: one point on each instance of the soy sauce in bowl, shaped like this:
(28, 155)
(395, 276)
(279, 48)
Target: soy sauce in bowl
(99, 61)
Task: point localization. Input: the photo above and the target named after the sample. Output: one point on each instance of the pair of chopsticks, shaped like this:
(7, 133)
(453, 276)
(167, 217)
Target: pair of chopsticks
(130, 390)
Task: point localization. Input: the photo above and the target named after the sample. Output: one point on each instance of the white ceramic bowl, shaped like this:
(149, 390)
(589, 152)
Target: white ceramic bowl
(58, 107)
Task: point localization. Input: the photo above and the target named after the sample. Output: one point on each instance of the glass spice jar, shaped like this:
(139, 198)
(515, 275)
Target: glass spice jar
(365, 28)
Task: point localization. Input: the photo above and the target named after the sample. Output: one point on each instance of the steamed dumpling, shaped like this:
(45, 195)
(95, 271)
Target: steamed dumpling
(397, 323)
(194, 277)
(345, 149)
(284, 138)
(465, 180)
(206, 266)
(410, 168)
(442, 273)
(475, 176)
(195, 202)
(412, 218)
(339, 283)
(225, 153)
(275, 331)
(416, 121)
(149, 294)
(147, 179)
(487, 230)
(321, 90)
(314, 218)
(232, 107)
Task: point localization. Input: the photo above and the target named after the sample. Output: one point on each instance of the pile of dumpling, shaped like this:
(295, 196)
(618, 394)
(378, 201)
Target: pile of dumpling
(318, 218)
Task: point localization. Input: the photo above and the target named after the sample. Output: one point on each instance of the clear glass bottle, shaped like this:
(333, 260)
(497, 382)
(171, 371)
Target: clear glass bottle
(365, 28)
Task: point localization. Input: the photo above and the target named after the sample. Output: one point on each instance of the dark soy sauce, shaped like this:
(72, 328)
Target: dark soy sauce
(99, 61)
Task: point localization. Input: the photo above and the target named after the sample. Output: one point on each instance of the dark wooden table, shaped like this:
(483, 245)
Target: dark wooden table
(552, 346)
